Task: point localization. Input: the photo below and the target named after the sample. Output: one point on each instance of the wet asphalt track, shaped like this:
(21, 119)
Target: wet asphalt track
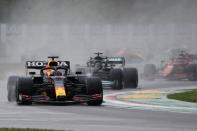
(85, 118)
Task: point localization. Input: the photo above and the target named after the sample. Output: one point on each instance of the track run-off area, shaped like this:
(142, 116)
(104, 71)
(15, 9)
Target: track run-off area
(151, 100)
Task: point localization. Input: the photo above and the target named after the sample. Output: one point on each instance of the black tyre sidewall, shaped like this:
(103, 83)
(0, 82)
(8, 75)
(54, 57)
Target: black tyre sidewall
(11, 88)
(130, 77)
(116, 76)
(24, 86)
(94, 86)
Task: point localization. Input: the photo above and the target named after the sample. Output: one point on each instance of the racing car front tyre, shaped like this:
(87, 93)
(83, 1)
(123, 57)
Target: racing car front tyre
(24, 86)
(116, 76)
(11, 88)
(94, 86)
(130, 77)
(192, 72)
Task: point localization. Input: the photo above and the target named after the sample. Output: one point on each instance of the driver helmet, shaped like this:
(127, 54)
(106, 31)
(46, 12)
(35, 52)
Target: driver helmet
(51, 63)
(98, 66)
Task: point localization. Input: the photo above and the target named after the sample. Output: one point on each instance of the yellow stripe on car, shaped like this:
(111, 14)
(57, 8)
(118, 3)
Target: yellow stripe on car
(60, 91)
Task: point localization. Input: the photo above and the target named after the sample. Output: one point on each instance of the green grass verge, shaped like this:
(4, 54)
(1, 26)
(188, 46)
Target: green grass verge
(188, 96)
(25, 129)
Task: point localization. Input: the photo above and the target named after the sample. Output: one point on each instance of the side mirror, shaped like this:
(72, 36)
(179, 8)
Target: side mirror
(32, 73)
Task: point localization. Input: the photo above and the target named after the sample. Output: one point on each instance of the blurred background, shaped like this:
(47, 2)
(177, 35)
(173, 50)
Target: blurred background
(75, 29)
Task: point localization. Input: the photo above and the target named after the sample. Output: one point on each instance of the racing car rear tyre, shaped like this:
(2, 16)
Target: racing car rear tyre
(116, 76)
(94, 86)
(130, 77)
(149, 70)
(192, 71)
(11, 88)
(24, 86)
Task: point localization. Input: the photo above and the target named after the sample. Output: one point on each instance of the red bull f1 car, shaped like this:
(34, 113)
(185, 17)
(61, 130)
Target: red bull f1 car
(53, 83)
(182, 66)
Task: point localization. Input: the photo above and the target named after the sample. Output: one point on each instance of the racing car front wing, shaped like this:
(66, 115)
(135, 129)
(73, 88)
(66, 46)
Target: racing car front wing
(46, 99)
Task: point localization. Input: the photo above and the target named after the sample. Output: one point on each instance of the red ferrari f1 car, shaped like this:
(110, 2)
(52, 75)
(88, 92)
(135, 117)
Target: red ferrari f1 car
(182, 66)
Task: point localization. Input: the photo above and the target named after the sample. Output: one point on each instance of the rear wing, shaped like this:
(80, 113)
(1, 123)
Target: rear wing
(42, 64)
(118, 60)
(115, 60)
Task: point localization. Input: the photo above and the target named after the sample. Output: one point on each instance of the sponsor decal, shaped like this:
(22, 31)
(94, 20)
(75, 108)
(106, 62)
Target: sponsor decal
(60, 91)
(115, 59)
(63, 63)
(32, 64)
(36, 63)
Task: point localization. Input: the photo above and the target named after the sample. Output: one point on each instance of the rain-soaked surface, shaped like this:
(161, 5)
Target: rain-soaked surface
(73, 30)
